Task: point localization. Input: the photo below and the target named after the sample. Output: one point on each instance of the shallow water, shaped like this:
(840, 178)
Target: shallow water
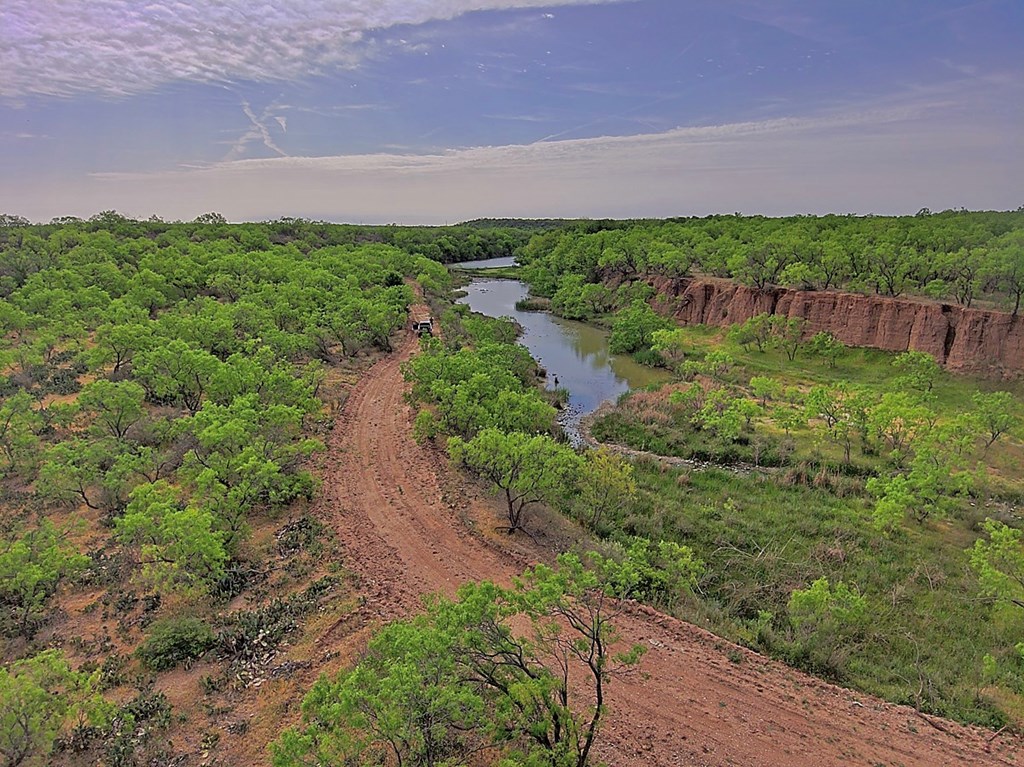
(490, 263)
(574, 354)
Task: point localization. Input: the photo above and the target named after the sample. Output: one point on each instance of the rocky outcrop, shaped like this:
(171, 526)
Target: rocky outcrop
(964, 340)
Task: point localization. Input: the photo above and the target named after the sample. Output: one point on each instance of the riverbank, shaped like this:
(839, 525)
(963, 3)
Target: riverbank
(574, 354)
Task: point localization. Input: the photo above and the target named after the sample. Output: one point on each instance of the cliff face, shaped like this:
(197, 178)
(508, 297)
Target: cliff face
(964, 340)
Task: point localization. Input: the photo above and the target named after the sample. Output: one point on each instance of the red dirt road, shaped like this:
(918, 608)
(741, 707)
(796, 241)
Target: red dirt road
(699, 700)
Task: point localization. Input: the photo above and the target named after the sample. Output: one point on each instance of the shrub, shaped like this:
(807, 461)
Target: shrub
(173, 641)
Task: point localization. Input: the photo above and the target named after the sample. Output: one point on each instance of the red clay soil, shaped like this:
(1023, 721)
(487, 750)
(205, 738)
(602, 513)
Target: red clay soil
(698, 699)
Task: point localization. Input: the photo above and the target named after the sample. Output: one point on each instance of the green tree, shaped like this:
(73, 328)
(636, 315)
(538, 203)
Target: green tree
(175, 371)
(999, 562)
(827, 346)
(900, 421)
(760, 265)
(32, 567)
(996, 414)
(82, 471)
(789, 335)
(656, 573)
(120, 339)
(247, 454)
(919, 370)
(179, 546)
(633, 328)
(38, 696)
(1007, 265)
(843, 411)
(765, 388)
(458, 680)
(568, 300)
(606, 485)
(672, 345)
(931, 488)
(19, 423)
(525, 469)
(723, 415)
(758, 330)
(114, 407)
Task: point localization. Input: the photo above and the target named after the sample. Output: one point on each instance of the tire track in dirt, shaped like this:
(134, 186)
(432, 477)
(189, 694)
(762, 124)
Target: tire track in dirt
(699, 700)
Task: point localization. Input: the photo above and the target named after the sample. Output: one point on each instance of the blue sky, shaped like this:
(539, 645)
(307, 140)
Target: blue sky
(435, 111)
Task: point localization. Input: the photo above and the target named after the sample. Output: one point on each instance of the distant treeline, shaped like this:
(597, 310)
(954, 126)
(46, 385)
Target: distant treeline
(449, 244)
(954, 255)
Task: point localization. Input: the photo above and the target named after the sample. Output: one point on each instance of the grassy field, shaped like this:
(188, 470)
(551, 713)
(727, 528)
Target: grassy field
(638, 424)
(764, 534)
(491, 273)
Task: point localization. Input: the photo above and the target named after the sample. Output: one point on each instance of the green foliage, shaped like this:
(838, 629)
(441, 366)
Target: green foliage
(19, 423)
(605, 484)
(80, 471)
(568, 299)
(899, 421)
(654, 573)
(247, 454)
(477, 388)
(999, 562)
(113, 407)
(173, 641)
(919, 371)
(956, 254)
(633, 328)
(525, 469)
(457, 679)
(32, 566)
(765, 388)
(929, 489)
(996, 414)
(826, 346)
(826, 620)
(671, 344)
(758, 330)
(789, 335)
(179, 545)
(176, 372)
(38, 695)
(845, 413)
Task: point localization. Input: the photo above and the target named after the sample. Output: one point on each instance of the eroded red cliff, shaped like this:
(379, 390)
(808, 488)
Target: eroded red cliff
(965, 340)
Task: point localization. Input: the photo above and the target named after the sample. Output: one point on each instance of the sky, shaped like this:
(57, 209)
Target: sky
(439, 111)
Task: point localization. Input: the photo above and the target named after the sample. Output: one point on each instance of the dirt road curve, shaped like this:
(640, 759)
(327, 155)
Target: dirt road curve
(701, 701)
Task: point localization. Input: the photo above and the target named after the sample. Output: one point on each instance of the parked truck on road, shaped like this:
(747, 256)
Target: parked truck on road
(421, 322)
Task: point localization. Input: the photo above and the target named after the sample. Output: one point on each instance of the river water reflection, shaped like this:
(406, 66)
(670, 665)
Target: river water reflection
(575, 354)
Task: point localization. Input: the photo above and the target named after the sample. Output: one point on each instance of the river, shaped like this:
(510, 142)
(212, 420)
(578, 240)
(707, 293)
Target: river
(574, 354)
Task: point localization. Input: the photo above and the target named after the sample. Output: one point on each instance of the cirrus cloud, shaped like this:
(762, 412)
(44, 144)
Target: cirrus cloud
(123, 47)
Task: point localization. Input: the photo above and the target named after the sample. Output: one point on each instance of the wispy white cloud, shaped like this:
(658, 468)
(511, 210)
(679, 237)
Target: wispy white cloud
(122, 47)
(23, 135)
(258, 130)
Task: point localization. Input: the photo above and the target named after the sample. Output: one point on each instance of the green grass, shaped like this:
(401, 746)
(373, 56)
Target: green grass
(761, 540)
(867, 367)
(870, 368)
(493, 273)
(763, 536)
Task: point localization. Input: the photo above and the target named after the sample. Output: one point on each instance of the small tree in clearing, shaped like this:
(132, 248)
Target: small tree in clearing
(995, 414)
(525, 469)
(789, 335)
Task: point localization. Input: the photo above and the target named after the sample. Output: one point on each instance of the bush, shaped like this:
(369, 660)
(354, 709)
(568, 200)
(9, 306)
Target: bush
(173, 641)
(648, 357)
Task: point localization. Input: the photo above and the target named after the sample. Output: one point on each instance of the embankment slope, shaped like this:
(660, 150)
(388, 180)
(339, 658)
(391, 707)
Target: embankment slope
(964, 340)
